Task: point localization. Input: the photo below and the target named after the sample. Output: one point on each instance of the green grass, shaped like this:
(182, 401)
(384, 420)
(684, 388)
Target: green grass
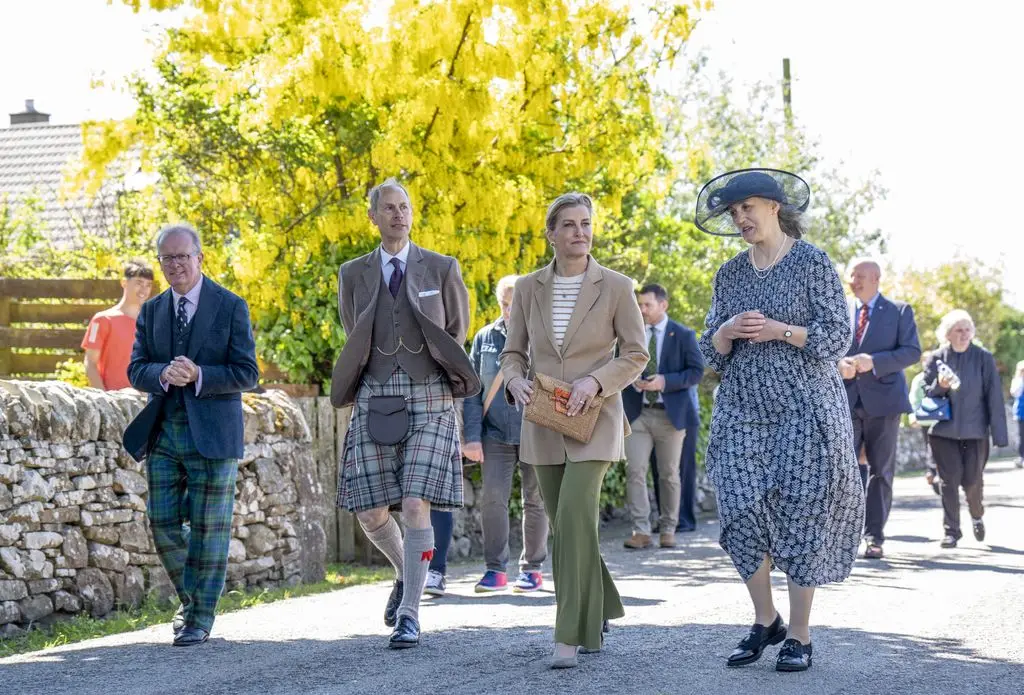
(151, 613)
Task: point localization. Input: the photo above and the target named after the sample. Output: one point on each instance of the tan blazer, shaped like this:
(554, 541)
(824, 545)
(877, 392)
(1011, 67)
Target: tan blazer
(606, 316)
(439, 301)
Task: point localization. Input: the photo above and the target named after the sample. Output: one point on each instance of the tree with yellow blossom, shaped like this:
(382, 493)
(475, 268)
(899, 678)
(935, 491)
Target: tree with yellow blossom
(268, 121)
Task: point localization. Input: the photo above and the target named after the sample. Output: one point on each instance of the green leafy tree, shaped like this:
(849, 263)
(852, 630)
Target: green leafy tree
(269, 120)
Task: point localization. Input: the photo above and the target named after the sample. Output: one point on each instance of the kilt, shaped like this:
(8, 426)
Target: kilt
(426, 465)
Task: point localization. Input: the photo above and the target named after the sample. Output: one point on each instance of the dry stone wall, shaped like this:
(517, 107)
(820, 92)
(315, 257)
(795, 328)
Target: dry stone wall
(73, 531)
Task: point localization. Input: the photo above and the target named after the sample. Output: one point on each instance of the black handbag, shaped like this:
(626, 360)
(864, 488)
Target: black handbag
(936, 409)
(387, 420)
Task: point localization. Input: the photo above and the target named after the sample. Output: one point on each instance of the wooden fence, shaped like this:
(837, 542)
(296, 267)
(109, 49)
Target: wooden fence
(31, 319)
(346, 541)
(20, 304)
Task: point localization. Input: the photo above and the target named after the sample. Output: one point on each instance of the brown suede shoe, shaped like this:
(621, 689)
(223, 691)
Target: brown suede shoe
(638, 541)
(667, 540)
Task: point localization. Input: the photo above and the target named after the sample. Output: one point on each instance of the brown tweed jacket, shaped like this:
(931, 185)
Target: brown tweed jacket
(440, 304)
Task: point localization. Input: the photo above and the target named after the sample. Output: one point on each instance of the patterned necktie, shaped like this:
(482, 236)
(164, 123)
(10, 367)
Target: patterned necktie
(862, 322)
(396, 277)
(182, 317)
(652, 364)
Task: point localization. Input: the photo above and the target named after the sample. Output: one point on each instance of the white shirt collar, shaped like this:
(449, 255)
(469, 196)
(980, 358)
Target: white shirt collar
(660, 326)
(402, 256)
(192, 295)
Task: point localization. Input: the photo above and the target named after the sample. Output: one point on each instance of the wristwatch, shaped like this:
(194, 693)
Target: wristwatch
(788, 334)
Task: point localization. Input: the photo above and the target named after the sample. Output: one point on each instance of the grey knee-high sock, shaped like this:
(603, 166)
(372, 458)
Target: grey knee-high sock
(419, 550)
(388, 539)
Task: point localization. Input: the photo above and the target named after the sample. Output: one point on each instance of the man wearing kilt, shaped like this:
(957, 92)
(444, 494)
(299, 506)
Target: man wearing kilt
(194, 355)
(405, 311)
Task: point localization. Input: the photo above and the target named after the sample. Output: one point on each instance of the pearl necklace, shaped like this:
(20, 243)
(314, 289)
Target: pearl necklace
(763, 273)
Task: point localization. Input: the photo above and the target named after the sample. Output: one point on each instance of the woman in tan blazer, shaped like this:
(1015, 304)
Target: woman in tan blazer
(567, 321)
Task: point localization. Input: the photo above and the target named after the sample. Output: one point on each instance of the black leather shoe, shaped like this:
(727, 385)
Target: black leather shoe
(391, 610)
(749, 650)
(604, 626)
(406, 634)
(178, 622)
(979, 529)
(191, 636)
(794, 656)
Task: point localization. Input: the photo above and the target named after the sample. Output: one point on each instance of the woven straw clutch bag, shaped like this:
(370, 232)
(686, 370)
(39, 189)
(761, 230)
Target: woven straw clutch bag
(548, 406)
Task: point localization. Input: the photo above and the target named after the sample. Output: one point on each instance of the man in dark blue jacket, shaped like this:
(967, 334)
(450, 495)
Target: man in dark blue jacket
(194, 355)
(884, 344)
(660, 408)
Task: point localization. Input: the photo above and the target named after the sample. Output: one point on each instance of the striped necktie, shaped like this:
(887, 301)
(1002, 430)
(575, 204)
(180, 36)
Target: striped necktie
(862, 322)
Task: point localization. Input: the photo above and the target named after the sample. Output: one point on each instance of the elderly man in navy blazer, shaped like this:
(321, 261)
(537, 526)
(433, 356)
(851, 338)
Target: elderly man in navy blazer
(884, 344)
(660, 409)
(194, 355)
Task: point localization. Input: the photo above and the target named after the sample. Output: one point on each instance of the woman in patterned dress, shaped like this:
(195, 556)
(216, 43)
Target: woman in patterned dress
(781, 452)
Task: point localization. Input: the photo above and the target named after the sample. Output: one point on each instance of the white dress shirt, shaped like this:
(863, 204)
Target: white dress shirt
(385, 262)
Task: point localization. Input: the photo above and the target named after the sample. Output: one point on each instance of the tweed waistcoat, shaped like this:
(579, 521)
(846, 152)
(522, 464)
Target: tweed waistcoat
(395, 330)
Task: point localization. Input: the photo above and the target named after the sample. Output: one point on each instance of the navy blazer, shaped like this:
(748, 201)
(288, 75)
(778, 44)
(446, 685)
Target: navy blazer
(221, 343)
(682, 365)
(891, 340)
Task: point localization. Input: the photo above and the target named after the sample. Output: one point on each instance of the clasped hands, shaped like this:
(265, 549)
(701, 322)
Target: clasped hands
(850, 367)
(753, 326)
(180, 372)
(580, 400)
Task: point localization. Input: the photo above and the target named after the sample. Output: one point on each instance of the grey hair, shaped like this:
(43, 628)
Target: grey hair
(179, 228)
(949, 321)
(504, 285)
(390, 182)
(792, 222)
(566, 200)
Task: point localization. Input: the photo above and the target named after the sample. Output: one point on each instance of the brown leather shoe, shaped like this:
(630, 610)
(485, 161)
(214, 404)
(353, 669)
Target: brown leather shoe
(638, 541)
(667, 540)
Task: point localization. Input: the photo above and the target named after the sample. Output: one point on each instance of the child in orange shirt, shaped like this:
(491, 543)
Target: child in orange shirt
(108, 340)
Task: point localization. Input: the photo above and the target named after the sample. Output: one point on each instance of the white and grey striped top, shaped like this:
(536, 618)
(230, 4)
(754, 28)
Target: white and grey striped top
(563, 301)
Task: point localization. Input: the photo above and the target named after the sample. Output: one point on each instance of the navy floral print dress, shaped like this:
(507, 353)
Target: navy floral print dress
(780, 453)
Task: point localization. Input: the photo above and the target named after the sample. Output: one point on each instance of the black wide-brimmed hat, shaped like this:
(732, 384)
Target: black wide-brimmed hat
(719, 193)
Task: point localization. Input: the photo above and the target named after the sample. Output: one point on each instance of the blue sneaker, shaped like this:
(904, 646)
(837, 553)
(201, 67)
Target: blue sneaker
(492, 581)
(528, 581)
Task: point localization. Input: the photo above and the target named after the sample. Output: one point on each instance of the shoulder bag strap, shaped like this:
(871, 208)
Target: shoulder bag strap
(495, 387)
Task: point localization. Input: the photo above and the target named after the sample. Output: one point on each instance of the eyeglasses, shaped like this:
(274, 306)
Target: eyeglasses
(175, 259)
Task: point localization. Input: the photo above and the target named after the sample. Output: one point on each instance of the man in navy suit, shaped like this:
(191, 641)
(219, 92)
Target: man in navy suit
(660, 408)
(194, 355)
(884, 344)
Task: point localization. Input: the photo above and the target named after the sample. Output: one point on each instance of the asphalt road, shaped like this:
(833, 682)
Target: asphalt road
(923, 620)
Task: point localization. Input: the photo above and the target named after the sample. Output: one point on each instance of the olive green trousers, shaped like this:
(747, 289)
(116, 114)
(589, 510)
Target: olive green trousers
(584, 592)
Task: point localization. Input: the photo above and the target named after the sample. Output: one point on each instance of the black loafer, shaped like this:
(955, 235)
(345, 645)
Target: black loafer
(979, 529)
(391, 610)
(749, 650)
(191, 636)
(794, 656)
(178, 622)
(406, 634)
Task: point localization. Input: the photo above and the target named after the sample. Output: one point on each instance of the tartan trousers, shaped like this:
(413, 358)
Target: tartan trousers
(184, 486)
